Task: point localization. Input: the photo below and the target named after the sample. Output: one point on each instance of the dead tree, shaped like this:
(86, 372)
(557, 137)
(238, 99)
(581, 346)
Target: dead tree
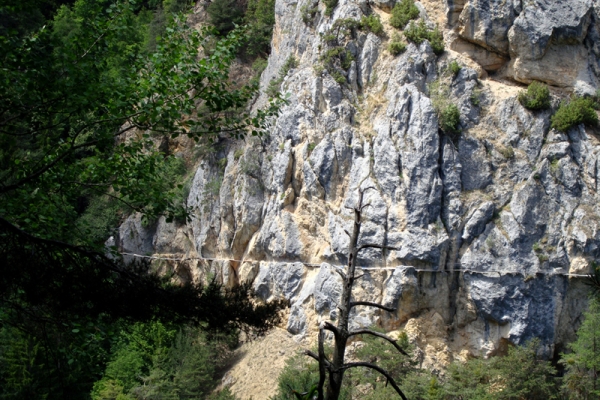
(336, 367)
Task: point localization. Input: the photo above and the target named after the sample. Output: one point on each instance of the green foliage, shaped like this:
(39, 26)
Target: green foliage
(450, 119)
(309, 13)
(422, 385)
(417, 33)
(518, 375)
(436, 40)
(372, 24)
(336, 59)
(260, 20)
(160, 19)
(99, 218)
(290, 63)
(583, 363)
(257, 15)
(224, 15)
(258, 66)
(537, 96)
(578, 110)
(454, 67)
(51, 361)
(84, 101)
(154, 361)
(383, 354)
(93, 92)
(300, 375)
(402, 13)
(330, 5)
(447, 112)
(475, 97)
(396, 45)
(210, 193)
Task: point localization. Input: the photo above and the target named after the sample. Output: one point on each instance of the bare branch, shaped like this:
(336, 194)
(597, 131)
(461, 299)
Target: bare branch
(330, 327)
(342, 274)
(371, 304)
(381, 371)
(375, 246)
(316, 357)
(363, 206)
(380, 335)
(347, 233)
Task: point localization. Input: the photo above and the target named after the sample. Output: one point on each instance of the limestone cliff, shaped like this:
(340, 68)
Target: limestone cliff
(488, 224)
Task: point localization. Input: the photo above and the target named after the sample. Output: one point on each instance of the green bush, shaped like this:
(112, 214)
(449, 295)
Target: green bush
(402, 13)
(155, 361)
(454, 67)
(537, 96)
(159, 18)
(260, 20)
(417, 33)
(372, 24)
(577, 111)
(225, 14)
(330, 5)
(275, 84)
(301, 374)
(383, 354)
(396, 45)
(581, 378)
(450, 119)
(290, 63)
(518, 375)
(436, 40)
(309, 13)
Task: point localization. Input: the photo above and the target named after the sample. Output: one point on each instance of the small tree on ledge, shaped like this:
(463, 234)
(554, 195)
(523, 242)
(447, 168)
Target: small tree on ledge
(336, 367)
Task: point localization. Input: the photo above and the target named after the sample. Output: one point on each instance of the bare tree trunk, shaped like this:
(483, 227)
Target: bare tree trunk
(337, 366)
(336, 374)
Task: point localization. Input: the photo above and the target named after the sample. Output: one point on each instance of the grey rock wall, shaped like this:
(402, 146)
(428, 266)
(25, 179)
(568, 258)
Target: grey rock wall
(486, 226)
(545, 40)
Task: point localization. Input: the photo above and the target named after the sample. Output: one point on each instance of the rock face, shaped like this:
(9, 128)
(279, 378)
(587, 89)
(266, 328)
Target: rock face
(545, 40)
(485, 226)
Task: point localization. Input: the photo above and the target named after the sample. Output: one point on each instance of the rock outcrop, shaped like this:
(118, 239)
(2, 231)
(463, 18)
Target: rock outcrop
(485, 226)
(545, 40)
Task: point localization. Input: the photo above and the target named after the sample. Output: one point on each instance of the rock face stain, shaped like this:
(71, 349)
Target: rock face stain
(484, 226)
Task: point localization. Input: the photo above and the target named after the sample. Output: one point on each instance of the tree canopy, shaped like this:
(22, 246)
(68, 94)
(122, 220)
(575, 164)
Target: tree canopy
(83, 97)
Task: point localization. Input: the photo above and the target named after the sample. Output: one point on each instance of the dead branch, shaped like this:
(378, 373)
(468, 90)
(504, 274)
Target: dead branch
(380, 335)
(381, 371)
(371, 304)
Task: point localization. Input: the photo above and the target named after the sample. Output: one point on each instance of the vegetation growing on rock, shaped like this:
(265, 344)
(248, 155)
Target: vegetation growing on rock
(402, 13)
(396, 45)
(417, 33)
(537, 96)
(372, 23)
(579, 110)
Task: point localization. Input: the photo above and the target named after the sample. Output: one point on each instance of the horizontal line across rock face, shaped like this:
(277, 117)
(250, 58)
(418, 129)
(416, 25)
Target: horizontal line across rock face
(312, 265)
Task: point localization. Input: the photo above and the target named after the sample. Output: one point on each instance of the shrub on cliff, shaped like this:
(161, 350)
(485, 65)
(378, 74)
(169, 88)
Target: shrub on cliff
(579, 110)
(417, 33)
(537, 97)
(372, 24)
(450, 119)
(396, 45)
(402, 13)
